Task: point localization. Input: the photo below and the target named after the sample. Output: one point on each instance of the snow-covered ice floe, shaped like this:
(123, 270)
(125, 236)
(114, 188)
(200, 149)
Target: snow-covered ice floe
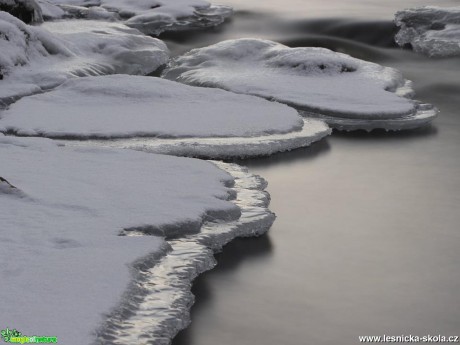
(158, 115)
(149, 16)
(346, 92)
(434, 31)
(161, 307)
(63, 211)
(36, 58)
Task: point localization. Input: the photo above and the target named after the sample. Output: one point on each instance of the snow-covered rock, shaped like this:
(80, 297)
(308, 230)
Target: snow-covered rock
(29, 11)
(64, 265)
(177, 118)
(36, 58)
(149, 16)
(348, 93)
(434, 31)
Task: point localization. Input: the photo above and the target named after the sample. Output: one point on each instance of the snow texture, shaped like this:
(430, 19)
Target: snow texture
(434, 31)
(182, 119)
(149, 16)
(62, 257)
(317, 81)
(33, 59)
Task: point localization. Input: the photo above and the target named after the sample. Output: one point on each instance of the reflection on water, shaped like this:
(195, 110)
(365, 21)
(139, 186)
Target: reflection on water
(367, 233)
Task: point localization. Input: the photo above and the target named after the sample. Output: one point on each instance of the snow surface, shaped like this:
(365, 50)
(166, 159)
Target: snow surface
(149, 16)
(132, 106)
(434, 31)
(182, 120)
(36, 58)
(61, 254)
(315, 80)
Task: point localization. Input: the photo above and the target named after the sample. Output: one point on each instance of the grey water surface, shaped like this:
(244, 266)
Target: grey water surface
(367, 239)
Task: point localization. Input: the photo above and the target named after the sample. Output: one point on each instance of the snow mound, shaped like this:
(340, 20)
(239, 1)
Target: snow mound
(317, 81)
(149, 16)
(182, 119)
(61, 249)
(434, 31)
(37, 58)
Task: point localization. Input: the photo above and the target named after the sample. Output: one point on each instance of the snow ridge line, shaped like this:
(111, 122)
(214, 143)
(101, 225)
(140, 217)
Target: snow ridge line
(157, 304)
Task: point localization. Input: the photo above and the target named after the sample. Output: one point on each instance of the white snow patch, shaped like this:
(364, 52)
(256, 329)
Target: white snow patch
(34, 58)
(61, 256)
(314, 80)
(431, 30)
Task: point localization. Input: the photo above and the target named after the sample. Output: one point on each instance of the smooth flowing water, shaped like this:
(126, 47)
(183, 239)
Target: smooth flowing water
(368, 231)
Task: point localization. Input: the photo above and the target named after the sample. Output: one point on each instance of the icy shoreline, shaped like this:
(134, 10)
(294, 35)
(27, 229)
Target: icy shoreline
(159, 299)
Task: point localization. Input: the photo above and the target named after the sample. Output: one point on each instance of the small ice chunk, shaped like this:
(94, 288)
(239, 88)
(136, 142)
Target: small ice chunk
(431, 30)
(60, 245)
(319, 82)
(121, 106)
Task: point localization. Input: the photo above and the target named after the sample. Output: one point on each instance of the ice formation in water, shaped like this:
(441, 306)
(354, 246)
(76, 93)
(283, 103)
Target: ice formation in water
(347, 93)
(434, 31)
(36, 58)
(159, 307)
(179, 119)
(149, 16)
(60, 227)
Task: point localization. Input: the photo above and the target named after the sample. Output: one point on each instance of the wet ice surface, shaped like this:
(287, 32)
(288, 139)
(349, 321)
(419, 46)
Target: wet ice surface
(62, 220)
(347, 93)
(149, 16)
(160, 308)
(34, 58)
(223, 147)
(434, 31)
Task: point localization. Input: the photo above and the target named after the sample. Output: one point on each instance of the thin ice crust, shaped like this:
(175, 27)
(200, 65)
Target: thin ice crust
(224, 148)
(313, 80)
(430, 30)
(423, 116)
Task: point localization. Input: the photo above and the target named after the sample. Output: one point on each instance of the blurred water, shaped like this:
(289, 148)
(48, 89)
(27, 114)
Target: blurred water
(368, 230)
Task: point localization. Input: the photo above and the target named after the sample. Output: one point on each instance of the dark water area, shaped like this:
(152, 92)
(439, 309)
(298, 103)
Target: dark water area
(368, 231)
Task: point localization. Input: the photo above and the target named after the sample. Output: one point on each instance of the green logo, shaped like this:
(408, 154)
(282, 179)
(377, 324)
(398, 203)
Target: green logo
(16, 337)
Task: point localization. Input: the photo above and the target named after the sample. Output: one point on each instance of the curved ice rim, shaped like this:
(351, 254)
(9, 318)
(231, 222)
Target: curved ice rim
(156, 306)
(221, 147)
(424, 114)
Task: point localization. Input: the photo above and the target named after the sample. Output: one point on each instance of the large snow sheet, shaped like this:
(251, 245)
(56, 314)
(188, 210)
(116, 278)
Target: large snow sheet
(149, 16)
(61, 210)
(434, 31)
(348, 93)
(121, 106)
(35, 58)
